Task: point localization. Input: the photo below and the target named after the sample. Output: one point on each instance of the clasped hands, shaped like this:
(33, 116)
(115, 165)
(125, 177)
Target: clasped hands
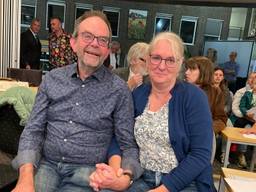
(106, 177)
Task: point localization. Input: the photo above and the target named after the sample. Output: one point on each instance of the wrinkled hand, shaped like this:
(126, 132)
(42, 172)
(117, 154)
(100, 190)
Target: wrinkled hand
(28, 67)
(249, 131)
(249, 116)
(105, 177)
(135, 81)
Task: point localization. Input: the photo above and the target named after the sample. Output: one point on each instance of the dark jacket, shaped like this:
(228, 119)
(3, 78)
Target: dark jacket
(30, 50)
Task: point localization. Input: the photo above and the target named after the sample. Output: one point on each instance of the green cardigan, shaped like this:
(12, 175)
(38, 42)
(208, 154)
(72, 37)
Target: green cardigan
(246, 102)
(22, 99)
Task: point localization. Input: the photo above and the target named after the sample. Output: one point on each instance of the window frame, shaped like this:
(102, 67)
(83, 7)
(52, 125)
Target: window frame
(27, 5)
(163, 16)
(82, 6)
(58, 3)
(113, 10)
(220, 30)
(189, 19)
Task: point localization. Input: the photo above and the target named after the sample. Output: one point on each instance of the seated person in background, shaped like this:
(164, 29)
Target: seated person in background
(114, 57)
(200, 72)
(172, 129)
(77, 110)
(237, 98)
(248, 101)
(220, 82)
(136, 71)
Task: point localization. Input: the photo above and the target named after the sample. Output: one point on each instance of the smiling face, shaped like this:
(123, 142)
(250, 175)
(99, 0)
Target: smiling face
(90, 54)
(161, 73)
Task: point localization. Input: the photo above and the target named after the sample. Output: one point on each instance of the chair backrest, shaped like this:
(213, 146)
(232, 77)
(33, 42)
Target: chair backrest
(32, 76)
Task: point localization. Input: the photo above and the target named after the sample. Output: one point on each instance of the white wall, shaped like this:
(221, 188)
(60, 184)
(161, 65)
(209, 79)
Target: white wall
(10, 12)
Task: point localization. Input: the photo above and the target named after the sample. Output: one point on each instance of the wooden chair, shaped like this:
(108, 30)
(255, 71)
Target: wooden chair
(32, 76)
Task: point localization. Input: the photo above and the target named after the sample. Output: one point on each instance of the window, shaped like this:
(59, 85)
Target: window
(162, 22)
(188, 29)
(55, 9)
(235, 33)
(81, 8)
(252, 31)
(113, 17)
(28, 13)
(213, 29)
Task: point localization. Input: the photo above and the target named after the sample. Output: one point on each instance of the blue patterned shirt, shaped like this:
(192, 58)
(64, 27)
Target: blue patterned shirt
(73, 121)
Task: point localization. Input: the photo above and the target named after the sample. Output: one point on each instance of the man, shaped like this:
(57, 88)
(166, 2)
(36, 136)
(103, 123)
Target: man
(60, 51)
(77, 110)
(30, 47)
(113, 60)
(230, 71)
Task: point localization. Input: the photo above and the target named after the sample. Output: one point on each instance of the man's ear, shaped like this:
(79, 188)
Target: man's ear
(73, 43)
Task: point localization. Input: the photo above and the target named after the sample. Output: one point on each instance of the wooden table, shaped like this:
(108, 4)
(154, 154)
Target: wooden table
(229, 173)
(233, 135)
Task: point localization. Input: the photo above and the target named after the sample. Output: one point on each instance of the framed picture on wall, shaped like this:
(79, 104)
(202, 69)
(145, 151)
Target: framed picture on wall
(137, 24)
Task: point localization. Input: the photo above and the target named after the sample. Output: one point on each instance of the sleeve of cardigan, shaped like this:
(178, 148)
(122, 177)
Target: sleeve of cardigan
(194, 160)
(244, 103)
(114, 148)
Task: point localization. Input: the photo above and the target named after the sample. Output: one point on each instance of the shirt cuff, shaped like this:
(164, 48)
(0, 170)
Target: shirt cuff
(27, 156)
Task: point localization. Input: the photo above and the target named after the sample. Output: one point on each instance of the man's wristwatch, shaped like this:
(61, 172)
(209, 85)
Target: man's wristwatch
(130, 175)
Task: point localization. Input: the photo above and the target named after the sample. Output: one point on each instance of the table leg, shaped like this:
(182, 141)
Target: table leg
(227, 153)
(221, 183)
(253, 159)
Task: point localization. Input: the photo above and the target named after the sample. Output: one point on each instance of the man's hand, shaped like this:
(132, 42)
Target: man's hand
(161, 188)
(105, 177)
(28, 66)
(26, 179)
(135, 81)
(249, 116)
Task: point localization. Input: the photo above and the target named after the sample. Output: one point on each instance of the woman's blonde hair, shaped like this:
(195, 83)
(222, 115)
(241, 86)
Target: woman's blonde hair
(136, 51)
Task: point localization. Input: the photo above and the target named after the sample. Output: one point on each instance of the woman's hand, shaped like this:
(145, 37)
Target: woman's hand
(105, 177)
(161, 188)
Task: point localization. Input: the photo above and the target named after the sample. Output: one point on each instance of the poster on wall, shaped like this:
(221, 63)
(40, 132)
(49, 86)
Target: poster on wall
(137, 24)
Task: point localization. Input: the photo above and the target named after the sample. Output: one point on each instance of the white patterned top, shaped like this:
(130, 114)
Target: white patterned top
(152, 135)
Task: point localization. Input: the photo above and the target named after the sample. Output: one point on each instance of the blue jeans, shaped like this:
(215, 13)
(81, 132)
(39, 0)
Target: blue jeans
(151, 180)
(63, 177)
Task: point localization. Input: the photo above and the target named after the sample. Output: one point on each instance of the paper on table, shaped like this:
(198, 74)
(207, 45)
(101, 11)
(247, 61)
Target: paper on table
(241, 185)
(251, 136)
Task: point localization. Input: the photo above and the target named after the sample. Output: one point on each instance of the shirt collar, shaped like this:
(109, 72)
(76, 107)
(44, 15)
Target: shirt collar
(32, 32)
(98, 74)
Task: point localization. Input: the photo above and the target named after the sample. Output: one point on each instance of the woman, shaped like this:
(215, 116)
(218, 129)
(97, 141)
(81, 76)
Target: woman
(200, 72)
(136, 72)
(220, 82)
(173, 130)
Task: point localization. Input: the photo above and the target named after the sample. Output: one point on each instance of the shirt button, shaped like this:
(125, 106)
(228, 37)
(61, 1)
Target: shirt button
(63, 158)
(70, 121)
(65, 140)
(77, 104)
(83, 85)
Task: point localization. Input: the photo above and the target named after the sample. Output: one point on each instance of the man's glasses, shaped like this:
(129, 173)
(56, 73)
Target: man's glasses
(88, 38)
(157, 59)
